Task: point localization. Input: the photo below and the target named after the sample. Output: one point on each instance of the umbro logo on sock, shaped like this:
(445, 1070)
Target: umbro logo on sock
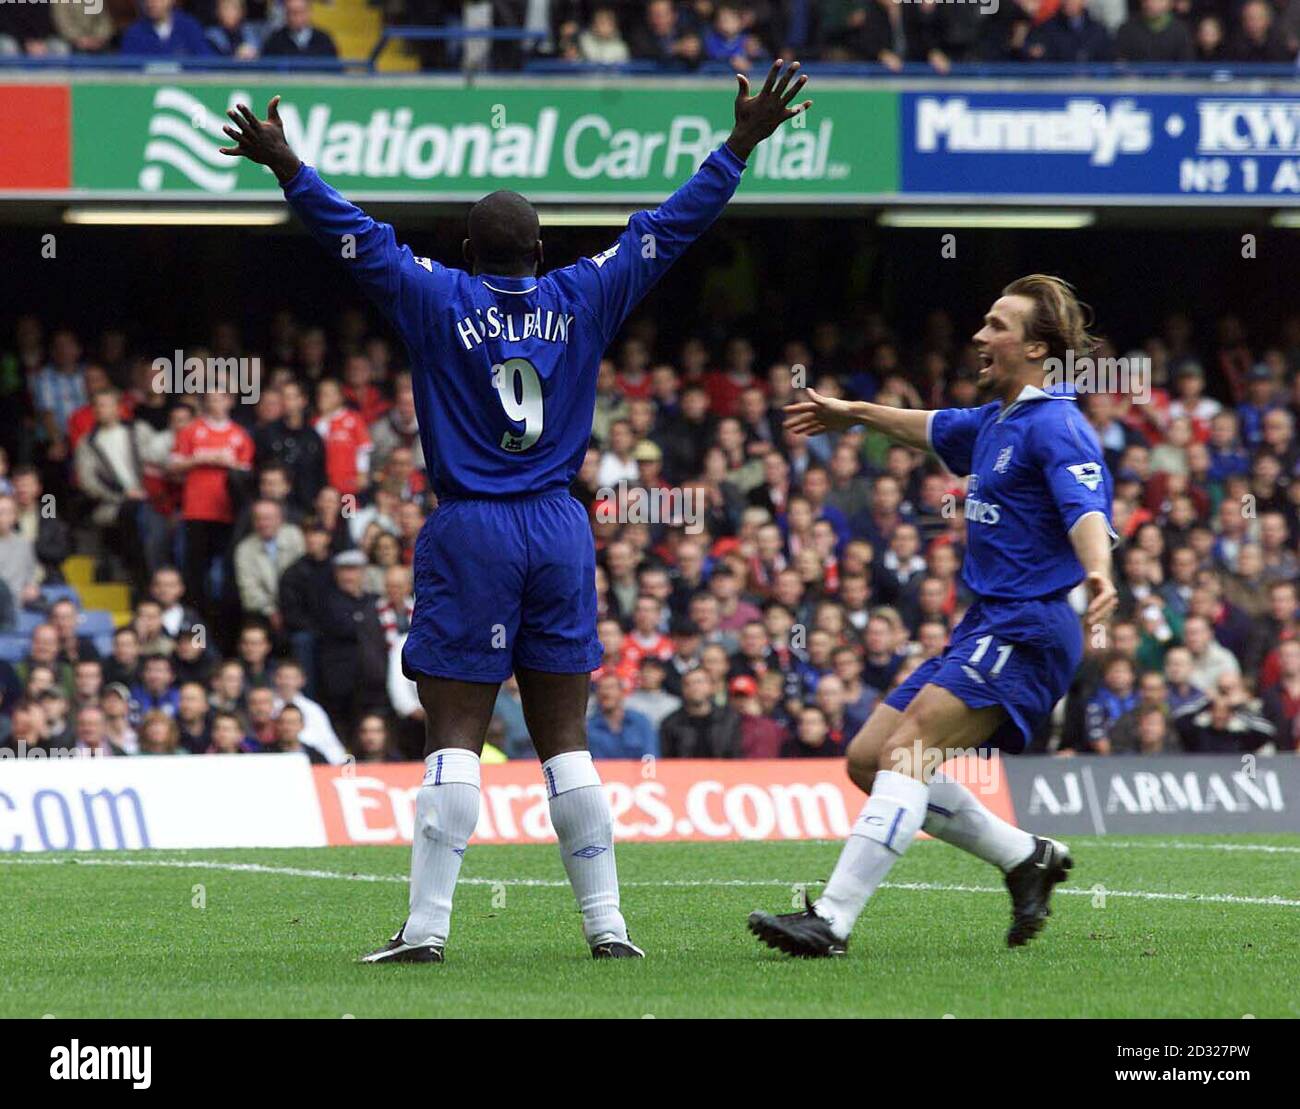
(590, 851)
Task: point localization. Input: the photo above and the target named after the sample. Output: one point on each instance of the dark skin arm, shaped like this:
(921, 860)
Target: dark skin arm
(757, 117)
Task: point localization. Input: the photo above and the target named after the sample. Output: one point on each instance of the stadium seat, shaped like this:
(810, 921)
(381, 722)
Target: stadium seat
(95, 622)
(53, 593)
(28, 621)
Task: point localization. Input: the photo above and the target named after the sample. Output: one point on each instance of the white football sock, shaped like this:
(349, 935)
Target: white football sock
(886, 826)
(580, 814)
(955, 816)
(446, 810)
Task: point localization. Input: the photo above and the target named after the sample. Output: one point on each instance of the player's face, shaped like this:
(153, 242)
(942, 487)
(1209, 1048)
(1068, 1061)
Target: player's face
(1001, 342)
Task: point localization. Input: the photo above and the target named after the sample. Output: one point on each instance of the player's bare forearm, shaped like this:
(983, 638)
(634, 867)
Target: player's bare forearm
(908, 426)
(759, 116)
(1090, 538)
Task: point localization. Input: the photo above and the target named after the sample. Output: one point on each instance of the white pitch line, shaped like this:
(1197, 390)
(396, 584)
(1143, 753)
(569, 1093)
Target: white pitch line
(206, 864)
(1100, 890)
(1262, 848)
(555, 883)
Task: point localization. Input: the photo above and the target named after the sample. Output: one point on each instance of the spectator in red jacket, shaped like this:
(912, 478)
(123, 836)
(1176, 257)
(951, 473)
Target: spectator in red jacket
(208, 451)
(346, 438)
(761, 737)
(360, 390)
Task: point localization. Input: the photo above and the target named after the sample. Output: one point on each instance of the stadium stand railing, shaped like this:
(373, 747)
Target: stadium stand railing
(133, 63)
(541, 65)
(451, 34)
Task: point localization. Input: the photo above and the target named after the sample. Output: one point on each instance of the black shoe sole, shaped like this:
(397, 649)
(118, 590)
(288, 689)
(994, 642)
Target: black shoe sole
(1022, 931)
(764, 927)
(415, 955)
(617, 951)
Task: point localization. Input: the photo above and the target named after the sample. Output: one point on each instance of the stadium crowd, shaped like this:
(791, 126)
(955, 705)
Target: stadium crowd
(759, 591)
(680, 36)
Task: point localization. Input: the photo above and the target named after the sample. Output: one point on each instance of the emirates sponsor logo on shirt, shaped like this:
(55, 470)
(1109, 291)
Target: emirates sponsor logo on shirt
(979, 511)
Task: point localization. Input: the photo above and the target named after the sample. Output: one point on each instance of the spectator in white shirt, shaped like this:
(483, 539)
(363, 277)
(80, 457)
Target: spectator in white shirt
(1210, 659)
(317, 732)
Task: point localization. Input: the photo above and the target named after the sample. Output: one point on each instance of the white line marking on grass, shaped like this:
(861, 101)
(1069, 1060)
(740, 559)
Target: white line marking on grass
(1263, 848)
(1130, 844)
(555, 883)
(1142, 895)
(208, 864)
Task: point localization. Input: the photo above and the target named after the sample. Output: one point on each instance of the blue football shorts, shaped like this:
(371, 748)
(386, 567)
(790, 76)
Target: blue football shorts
(504, 583)
(1021, 655)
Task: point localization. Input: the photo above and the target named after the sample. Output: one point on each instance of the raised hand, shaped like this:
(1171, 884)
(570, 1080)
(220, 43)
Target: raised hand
(758, 116)
(262, 141)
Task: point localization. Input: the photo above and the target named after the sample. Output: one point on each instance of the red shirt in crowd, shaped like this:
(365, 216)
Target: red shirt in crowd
(623, 668)
(761, 737)
(205, 495)
(724, 391)
(346, 440)
(370, 402)
(661, 647)
(633, 390)
(1270, 670)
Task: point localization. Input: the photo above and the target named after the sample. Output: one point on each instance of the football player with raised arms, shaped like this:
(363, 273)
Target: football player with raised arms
(504, 361)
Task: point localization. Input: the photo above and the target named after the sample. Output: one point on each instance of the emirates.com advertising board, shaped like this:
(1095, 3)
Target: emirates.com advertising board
(626, 141)
(173, 802)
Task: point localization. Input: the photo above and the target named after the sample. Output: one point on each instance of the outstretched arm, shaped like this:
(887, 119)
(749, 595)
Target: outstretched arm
(818, 414)
(616, 279)
(368, 248)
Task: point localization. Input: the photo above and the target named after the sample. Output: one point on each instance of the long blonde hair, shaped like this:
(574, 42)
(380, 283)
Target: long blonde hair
(1058, 319)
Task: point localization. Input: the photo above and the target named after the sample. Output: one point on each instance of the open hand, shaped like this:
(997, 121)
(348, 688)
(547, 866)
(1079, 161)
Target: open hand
(819, 414)
(759, 116)
(261, 140)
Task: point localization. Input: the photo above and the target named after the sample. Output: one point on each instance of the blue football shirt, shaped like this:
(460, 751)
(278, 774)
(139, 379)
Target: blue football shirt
(504, 368)
(1035, 469)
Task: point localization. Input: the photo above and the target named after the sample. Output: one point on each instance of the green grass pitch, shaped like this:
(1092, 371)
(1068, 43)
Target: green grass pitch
(1188, 927)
